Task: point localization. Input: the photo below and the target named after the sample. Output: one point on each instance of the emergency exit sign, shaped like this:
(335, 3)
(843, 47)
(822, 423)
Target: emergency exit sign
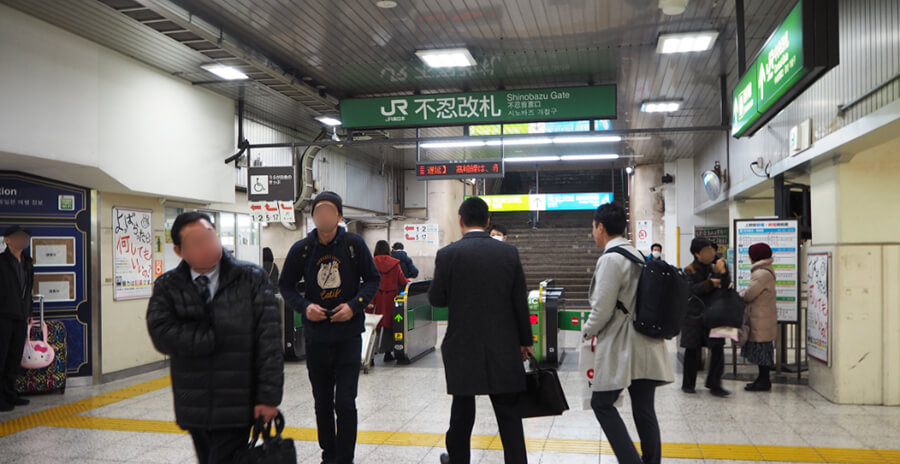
(800, 50)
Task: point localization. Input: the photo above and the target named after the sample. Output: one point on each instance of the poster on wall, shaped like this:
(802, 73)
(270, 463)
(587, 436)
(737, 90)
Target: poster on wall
(782, 235)
(53, 251)
(427, 233)
(818, 312)
(132, 253)
(644, 236)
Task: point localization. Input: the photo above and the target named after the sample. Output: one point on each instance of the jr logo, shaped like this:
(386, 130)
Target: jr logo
(396, 105)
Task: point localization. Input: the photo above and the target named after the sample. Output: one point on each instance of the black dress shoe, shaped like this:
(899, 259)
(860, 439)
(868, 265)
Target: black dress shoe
(445, 458)
(758, 387)
(6, 407)
(720, 392)
(21, 402)
(388, 357)
(689, 390)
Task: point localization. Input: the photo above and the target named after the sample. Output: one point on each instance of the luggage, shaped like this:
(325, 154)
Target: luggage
(662, 297)
(544, 395)
(368, 341)
(273, 450)
(53, 377)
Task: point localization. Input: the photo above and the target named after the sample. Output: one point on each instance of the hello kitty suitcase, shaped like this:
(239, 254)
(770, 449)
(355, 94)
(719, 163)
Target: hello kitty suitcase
(53, 377)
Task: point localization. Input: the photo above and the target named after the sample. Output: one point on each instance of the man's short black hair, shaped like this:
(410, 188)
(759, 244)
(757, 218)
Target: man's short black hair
(500, 228)
(656, 245)
(184, 219)
(474, 212)
(397, 246)
(699, 243)
(613, 218)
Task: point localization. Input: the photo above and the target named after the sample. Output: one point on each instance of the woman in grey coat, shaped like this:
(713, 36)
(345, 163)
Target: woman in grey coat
(624, 358)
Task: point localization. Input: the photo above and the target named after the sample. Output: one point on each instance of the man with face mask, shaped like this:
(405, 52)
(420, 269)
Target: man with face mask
(499, 232)
(218, 320)
(655, 252)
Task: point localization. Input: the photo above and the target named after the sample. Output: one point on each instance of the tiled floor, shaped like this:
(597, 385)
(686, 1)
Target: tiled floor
(404, 411)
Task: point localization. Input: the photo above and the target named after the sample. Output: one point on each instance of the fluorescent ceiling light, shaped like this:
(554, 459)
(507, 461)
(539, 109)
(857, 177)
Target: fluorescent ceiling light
(686, 42)
(588, 139)
(446, 57)
(521, 141)
(466, 143)
(225, 72)
(599, 156)
(328, 120)
(660, 106)
(530, 159)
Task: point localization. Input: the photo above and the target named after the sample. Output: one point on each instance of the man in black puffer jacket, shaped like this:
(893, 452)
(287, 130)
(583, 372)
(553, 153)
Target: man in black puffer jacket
(217, 318)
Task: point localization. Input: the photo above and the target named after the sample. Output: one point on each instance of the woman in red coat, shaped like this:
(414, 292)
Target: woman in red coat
(392, 282)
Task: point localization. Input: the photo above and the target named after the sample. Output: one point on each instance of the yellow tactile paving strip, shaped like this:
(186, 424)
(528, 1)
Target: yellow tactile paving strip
(68, 416)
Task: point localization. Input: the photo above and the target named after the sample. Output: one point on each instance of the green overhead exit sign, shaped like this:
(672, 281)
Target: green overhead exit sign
(501, 106)
(800, 50)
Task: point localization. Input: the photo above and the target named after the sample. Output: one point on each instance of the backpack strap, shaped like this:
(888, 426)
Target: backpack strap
(631, 257)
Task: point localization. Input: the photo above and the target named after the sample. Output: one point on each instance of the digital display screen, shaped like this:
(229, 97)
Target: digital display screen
(483, 169)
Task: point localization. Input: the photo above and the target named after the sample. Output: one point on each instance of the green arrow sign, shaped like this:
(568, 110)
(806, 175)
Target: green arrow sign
(398, 317)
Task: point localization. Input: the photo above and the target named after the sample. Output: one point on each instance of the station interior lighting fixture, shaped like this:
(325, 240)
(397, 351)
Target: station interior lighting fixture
(686, 42)
(446, 57)
(225, 72)
(328, 120)
(666, 106)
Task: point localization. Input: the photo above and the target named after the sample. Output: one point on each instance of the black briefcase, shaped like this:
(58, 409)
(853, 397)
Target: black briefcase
(544, 395)
(273, 450)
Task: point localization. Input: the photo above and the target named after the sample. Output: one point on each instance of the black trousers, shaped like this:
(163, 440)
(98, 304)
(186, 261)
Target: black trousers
(219, 446)
(643, 409)
(386, 340)
(716, 365)
(462, 420)
(12, 344)
(334, 375)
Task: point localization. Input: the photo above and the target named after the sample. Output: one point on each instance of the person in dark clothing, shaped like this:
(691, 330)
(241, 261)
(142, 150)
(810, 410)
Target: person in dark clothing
(482, 283)
(218, 321)
(655, 252)
(406, 263)
(392, 283)
(706, 274)
(331, 262)
(271, 268)
(16, 282)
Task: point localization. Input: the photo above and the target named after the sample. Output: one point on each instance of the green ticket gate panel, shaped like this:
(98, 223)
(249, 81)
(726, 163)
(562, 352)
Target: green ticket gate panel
(544, 307)
(572, 320)
(415, 327)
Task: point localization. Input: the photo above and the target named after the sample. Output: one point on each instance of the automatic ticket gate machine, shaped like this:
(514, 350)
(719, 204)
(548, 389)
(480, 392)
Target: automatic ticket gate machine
(415, 327)
(544, 307)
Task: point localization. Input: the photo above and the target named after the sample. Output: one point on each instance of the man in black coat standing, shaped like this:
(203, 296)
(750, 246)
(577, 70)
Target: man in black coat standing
(16, 282)
(482, 283)
(218, 320)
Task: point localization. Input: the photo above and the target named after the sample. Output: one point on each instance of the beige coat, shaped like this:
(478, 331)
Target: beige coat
(761, 312)
(621, 354)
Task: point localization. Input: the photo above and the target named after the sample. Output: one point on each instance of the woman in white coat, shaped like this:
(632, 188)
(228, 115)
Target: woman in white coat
(624, 358)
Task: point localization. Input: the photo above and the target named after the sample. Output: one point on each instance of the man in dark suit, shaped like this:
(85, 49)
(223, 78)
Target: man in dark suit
(482, 283)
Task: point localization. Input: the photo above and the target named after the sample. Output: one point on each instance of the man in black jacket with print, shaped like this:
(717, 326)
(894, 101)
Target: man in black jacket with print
(218, 320)
(340, 280)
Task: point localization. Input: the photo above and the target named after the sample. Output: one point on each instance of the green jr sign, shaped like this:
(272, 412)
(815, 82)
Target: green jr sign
(799, 51)
(561, 104)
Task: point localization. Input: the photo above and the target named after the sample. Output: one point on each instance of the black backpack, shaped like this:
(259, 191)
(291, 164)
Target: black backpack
(662, 297)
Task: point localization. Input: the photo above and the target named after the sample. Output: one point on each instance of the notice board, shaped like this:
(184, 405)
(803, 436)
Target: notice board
(819, 310)
(132, 253)
(782, 235)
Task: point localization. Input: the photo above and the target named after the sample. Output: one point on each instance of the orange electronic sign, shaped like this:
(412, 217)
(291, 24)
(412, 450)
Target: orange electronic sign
(481, 169)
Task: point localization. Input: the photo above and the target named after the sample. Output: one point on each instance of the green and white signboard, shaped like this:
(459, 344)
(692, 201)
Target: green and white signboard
(559, 104)
(796, 54)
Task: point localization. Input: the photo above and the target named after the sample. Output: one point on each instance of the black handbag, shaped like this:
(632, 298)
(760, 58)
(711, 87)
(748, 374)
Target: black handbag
(544, 395)
(726, 309)
(273, 450)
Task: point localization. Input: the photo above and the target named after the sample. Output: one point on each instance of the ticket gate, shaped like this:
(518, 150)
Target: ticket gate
(415, 326)
(544, 307)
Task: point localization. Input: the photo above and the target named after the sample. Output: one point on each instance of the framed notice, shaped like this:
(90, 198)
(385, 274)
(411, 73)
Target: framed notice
(782, 235)
(132, 253)
(819, 310)
(53, 251)
(55, 286)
